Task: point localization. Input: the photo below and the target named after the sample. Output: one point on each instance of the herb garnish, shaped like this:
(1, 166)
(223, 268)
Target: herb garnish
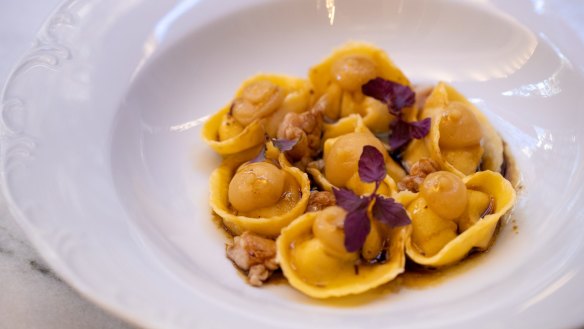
(282, 144)
(385, 210)
(397, 96)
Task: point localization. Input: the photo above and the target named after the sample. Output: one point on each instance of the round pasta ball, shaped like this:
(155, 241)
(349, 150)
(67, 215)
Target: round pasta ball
(351, 72)
(328, 228)
(445, 194)
(343, 159)
(258, 100)
(256, 185)
(459, 127)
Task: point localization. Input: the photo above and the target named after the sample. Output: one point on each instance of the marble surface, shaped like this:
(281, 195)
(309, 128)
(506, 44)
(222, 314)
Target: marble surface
(31, 295)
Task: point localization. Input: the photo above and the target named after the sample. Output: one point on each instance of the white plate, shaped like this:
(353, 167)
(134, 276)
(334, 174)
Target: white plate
(104, 168)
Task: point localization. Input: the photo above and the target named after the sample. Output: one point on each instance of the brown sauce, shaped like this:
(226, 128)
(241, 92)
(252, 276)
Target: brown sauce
(512, 174)
(510, 170)
(218, 221)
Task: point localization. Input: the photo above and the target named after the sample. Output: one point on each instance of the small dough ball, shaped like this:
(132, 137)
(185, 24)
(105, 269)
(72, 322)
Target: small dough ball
(259, 99)
(328, 228)
(352, 72)
(256, 185)
(445, 194)
(459, 127)
(259, 91)
(343, 159)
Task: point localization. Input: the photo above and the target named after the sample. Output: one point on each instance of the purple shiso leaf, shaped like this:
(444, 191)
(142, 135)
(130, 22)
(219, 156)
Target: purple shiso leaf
(400, 134)
(419, 129)
(261, 156)
(404, 96)
(371, 165)
(284, 144)
(348, 200)
(402, 131)
(356, 228)
(389, 212)
(395, 95)
(379, 89)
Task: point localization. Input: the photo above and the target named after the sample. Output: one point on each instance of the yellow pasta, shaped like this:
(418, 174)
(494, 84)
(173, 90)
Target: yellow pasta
(341, 155)
(460, 138)
(338, 184)
(262, 210)
(312, 257)
(445, 235)
(343, 73)
(258, 107)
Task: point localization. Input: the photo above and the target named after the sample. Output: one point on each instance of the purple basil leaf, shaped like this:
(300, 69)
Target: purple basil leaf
(284, 144)
(356, 227)
(371, 165)
(379, 89)
(400, 134)
(419, 129)
(261, 156)
(402, 131)
(348, 200)
(389, 212)
(395, 95)
(404, 96)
